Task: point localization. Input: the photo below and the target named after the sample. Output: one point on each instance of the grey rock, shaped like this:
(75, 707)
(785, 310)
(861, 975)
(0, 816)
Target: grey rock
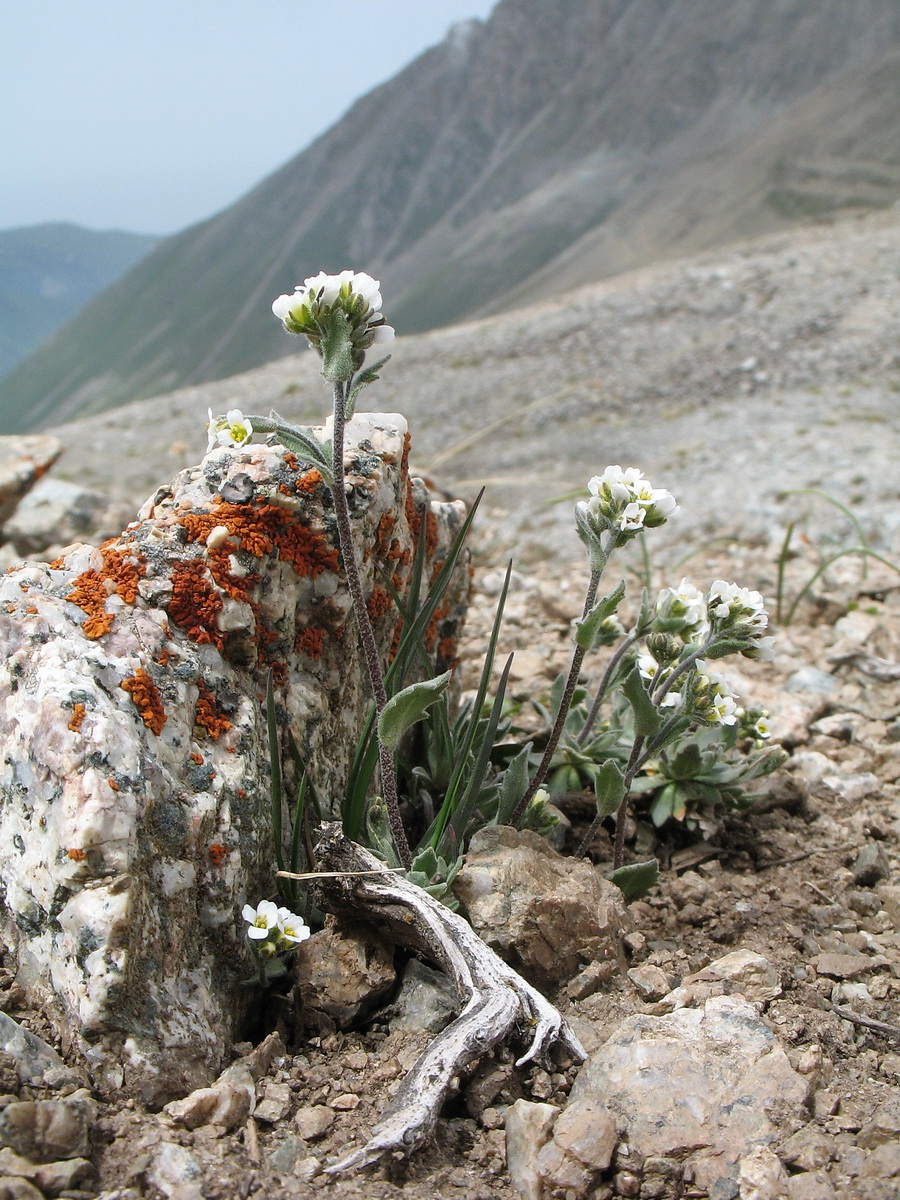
(176, 1172)
(811, 679)
(291, 1150)
(871, 865)
(545, 914)
(56, 513)
(23, 460)
(344, 971)
(56, 1177)
(46, 1130)
(232, 1097)
(130, 686)
(884, 1161)
(847, 789)
(528, 1128)
(425, 1003)
(275, 1103)
(34, 1057)
(714, 1080)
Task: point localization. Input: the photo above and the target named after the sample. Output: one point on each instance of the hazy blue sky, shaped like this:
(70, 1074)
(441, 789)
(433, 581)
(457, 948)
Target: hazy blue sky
(149, 115)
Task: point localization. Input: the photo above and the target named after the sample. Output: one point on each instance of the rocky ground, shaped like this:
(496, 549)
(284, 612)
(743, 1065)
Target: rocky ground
(655, 370)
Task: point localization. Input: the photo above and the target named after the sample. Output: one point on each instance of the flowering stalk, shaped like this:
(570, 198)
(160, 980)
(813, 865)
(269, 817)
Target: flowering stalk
(565, 704)
(363, 622)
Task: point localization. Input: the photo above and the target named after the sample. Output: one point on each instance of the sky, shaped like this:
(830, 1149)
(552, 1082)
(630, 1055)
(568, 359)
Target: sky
(151, 115)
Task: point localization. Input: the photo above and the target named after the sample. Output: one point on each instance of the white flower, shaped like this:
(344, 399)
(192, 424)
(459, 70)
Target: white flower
(631, 518)
(383, 335)
(647, 666)
(262, 919)
(291, 928)
(234, 429)
(722, 710)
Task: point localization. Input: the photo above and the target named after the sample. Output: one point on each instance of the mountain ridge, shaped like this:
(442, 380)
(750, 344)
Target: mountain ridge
(545, 147)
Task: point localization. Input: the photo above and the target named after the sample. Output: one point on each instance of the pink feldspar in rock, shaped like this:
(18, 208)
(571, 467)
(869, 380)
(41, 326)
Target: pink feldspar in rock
(134, 810)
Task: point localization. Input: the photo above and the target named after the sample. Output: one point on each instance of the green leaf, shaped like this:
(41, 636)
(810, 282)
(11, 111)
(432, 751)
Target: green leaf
(686, 763)
(647, 718)
(363, 379)
(337, 348)
(636, 879)
(586, 630)
(609, 787)
(409, 706)
(513, 785)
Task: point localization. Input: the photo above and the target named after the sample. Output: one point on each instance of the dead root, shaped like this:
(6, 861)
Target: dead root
(494, 1000)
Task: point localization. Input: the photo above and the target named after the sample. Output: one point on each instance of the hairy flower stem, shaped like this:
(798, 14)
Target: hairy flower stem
(363, 623)
(565, 704)
(634, 765)
(591, 721)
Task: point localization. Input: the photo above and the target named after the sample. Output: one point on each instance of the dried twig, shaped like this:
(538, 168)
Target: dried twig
(847, 1014)
(783, 862)
(493, 998)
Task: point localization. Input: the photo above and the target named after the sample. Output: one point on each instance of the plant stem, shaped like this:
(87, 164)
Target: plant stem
(363, 622)
(627, 641)
(631, 770)
(565, 703)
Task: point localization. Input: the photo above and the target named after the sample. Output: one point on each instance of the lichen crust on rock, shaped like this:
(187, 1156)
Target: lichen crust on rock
(134, 792)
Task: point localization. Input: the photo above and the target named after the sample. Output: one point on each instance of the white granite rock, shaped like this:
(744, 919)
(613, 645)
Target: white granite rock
(134, 810)
(712, 1083)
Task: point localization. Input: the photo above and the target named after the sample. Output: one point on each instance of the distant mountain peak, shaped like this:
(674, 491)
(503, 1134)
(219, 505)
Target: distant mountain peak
(556, 143)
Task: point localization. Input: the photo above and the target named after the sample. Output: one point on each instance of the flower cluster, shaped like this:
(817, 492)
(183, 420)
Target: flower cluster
(234, 429)
(682, 610)
(627, 501)
(273, 930)
(740, 615)
(706, 691)
(311, 308)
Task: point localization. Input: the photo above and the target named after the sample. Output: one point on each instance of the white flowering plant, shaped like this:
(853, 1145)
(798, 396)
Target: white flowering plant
(273, 932)
(425, 778)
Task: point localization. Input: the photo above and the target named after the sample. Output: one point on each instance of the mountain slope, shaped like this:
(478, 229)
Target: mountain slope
(552, 144)
(48, 272)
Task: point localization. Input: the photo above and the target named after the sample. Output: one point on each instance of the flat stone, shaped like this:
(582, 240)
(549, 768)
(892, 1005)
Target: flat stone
(176, 1172)
(882, 1126)
(13, 1188)
(291, 1150)
(33, 1056)
(811, 1185)
(811, 679)
(426, 1002)
(842, 966)
(848, 788)
(545, 914)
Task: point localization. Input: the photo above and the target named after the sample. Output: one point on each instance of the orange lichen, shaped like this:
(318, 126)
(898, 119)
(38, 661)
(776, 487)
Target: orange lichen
(291, 460)
(78, 711)
(91, 589)
(144, 693)
(112, 783)
(209, 715)
(279, 673)
(217, 854)
(32, 609)
(404, 458)
(265, 529)
(195, 603)
(378, 603)
(310, 642)
(197, 758)
(76, 855)
(309, 482)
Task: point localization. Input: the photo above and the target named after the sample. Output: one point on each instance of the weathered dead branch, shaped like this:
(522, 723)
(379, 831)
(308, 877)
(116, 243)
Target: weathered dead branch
(493, 998)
